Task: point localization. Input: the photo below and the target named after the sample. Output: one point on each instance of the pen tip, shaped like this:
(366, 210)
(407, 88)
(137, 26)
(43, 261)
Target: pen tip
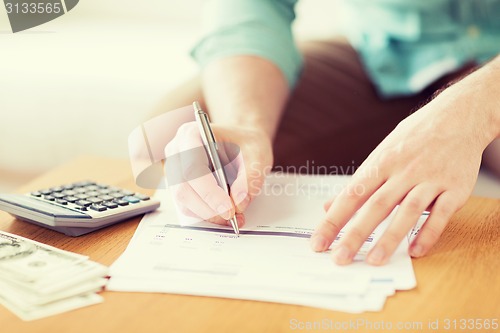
(234, 224)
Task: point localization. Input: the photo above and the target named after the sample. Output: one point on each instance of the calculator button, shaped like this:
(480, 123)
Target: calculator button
(80, 189)
(98, 208)
(45, 192)
(95, 200)
(82, 208)
(84, 183)
(106, 197)
(93, 194)
(142, 196)
(121, 202)
(56, 189)
(131, 199)
(43, 207)
(117, 195)
(92, 188)
(70, 199)
(83, 203)
(61, 201)
(69, 193)
(110, 205)
(81, 196)
(58, 195)
(104, 191)
(128, 193)
(49, 198)
(36, 194)
(68, 187)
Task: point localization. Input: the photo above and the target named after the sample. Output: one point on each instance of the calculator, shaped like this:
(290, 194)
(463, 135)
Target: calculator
(78, 208)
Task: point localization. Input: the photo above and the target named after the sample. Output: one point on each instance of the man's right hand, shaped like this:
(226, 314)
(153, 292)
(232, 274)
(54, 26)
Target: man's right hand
(198, 194)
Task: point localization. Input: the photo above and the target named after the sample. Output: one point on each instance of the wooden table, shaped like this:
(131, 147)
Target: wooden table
(459, 279)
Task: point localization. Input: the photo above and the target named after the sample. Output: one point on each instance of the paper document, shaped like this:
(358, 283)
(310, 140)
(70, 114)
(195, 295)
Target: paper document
(270, 261)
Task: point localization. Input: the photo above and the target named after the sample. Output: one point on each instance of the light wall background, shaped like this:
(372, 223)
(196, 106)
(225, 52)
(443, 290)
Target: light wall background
(79, 84)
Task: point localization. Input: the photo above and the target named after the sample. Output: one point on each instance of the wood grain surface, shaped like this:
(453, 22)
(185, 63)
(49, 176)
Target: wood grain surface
(459, 279)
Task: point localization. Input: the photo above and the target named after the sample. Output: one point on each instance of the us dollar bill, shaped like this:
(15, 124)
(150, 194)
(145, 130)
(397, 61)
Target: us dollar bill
(27, 260)
(27, 300)
(62, 279)
(53, 308)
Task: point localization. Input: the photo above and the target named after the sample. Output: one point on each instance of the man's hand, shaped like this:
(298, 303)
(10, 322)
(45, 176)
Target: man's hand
(247, 156)
(429, 162)
(245, 111)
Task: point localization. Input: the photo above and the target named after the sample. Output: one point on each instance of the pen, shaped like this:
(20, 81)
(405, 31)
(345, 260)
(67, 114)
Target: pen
(208, 138)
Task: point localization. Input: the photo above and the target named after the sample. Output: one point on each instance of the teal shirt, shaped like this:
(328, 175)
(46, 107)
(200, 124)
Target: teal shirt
(404, 44)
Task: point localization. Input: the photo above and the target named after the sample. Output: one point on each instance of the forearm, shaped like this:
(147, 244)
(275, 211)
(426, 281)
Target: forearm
(495, 94)
(475, 100)
(245, 91)
(485, 85)
(249, 60)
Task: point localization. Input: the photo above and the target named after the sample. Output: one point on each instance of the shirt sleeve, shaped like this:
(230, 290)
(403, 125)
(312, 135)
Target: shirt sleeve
(250, 27)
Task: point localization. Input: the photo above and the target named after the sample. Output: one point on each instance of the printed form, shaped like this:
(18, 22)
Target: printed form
(270, 261)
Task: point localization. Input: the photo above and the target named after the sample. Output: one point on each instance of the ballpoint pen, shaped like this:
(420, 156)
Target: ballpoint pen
(211, 147)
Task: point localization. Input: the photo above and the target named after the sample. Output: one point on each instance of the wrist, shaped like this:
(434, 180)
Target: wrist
(474, 100)
(495, 87)
(235, 114)
(246, 91)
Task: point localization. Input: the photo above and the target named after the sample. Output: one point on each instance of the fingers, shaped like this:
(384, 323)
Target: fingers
(213, 196)
(375, 210)
(342, 209)
(240, 218)
(184, 193)
(196, 171)
(240, 193)
(188, 163)
(441, 212)
(407, 215)
(238, 184)
(227, 157)
(188, 193)
(246, 185)
(328, 204)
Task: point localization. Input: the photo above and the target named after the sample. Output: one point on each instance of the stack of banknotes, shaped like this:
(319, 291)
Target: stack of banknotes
(37, 280)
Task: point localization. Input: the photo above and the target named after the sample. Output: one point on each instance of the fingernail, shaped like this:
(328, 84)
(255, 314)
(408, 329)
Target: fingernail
(223, 211)
(416, 250)
(318, 242)
(342, 255)
(376, 256)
